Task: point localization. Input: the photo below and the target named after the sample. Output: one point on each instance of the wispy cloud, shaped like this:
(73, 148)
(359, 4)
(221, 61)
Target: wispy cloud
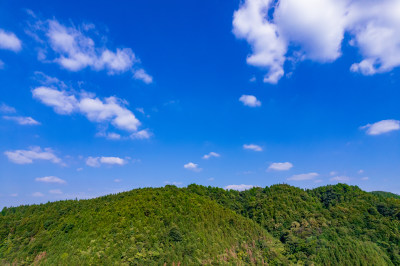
(55, 191)
(210, 155)
(33, 154)
(303, 177)
(252, 147)
(382, 127)
(280, 166)
(50, 179)
(37, 194)
(97, 161)
(5, 109)
(241, 187)
(76, 48)
(21, 120)
(340, 178)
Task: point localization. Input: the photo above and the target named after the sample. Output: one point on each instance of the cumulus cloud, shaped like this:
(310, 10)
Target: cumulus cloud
(9, 41)
(37, 194)
(250, 100)
(282, 30)
(22, 120)
(340, 179)
(192, 166)
(75, 48)
(33, 154)
(241, 187)
(108, 110)
(210, 155)
(280, 166)
(50, 179)
(303, 177)
(252, 147)
(382, 127)
(97, 161)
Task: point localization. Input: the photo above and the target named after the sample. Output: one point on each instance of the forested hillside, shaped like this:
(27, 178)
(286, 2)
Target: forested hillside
(278, 225)
(143, 226)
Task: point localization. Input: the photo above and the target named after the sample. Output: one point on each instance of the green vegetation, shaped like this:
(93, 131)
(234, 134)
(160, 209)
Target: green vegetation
(386, 194)
(278, 225)
(140, 227)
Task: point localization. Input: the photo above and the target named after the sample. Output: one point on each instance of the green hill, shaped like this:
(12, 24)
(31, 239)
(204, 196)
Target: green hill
(278, 225)
(141, 227)
(386, 194)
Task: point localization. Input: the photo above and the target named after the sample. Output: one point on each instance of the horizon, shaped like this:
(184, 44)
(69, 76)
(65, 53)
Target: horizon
(235, 94)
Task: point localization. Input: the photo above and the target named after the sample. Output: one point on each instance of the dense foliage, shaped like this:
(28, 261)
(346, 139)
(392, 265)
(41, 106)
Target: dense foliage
(279, 225)
(386, 194)
(140, 227)
(331, 225)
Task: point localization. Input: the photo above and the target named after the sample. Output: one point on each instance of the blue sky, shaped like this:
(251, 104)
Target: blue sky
(106, 98)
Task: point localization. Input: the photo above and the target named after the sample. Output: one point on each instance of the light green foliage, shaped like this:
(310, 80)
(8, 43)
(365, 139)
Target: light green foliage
(140, 227)
(277, 225)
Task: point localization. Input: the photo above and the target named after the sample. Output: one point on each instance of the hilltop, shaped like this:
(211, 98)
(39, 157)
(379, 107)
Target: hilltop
(276, 225)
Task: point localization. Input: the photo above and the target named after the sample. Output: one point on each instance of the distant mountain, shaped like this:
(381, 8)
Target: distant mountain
(386, 194)
(278, 225)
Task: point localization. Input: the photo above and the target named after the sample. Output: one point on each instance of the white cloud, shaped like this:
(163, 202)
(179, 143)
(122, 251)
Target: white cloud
(280, 166)
(50, 179)
(5, 109)
(113, 136)
(241, 187)
(112, 160)
(110, 109)
(382, 127)
(75, 48)
(14, 195)
(35, 153)
(340, 178)
(62, 101)
(55, 191)
(9, 41)
(22, 120)
(173, 183)
(283, 30)
(303, 177)
(332, 173)
(192, 166)
(93, 161)
(365, 178)
(252, 147)
(141, 74)
(142, 134)
(361, 171)
(37, 194)
(210, 155)
(117, 180)
(250, 23)
(97, 161)
(250, 100)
